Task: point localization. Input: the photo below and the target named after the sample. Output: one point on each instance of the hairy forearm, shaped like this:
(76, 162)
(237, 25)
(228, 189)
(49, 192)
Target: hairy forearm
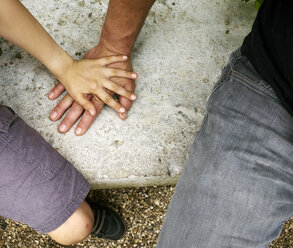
(123, 23)
(21, 28)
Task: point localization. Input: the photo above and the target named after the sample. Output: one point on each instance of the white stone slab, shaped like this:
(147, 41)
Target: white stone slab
(178, 56)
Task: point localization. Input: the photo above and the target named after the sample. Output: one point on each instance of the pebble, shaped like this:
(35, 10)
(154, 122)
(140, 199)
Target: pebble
(143, 210)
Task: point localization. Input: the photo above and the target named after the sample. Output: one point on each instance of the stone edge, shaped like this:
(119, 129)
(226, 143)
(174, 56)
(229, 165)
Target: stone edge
(134, 182)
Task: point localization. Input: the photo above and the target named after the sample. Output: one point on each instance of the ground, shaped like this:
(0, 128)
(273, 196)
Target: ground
(143, 210)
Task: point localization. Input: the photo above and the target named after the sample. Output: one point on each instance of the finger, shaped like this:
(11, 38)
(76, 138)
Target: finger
(111, 59)
(109, 72)
(87, 120)
(61, 107)
(107, 99)
(86, 104)
(71, 117)
(56, 91)
(108, 84)
(126, 103)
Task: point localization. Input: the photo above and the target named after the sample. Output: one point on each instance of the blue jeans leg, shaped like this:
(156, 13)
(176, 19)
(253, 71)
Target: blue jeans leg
(236, 189)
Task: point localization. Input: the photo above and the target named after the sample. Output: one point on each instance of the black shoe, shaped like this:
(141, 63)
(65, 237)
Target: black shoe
(108, 224)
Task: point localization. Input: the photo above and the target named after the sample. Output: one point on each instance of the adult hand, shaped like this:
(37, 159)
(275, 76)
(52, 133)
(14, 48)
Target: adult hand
(76, 111)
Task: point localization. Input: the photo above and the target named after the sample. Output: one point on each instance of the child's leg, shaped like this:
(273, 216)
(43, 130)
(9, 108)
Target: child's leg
(76, 228)
(38, 186)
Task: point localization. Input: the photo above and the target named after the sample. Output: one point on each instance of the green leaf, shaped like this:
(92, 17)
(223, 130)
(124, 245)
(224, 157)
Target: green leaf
(258, 3)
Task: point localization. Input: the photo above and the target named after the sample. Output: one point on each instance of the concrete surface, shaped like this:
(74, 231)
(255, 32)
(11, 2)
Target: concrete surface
(178, 56)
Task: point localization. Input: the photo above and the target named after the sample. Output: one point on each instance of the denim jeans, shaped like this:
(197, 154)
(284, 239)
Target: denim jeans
(236, 189)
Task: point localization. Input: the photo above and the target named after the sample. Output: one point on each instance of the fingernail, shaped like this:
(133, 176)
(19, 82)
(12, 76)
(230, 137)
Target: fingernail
(124, 115)
(62, 128)
(51, 95)
(124, 57)
(53, 115)
(133, 97)
(92, 112)
(122, 110)
(134, 75)
(78, 131)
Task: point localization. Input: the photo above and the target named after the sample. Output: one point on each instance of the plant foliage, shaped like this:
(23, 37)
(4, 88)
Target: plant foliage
(257, 3)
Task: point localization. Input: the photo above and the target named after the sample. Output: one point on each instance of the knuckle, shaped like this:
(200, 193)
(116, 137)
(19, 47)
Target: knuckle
(68, 98)
(106, 60)
(111, 72)
(86, 106)
(115, 87)
(115, 71)
(77, 108)
(105, 72)
(69, 120)
(108, 99)
(77, 99)
(97, 100)
(59, 86)
(80, 99)
(110, 92)
(93, 86)
(122, 91)
(58, 109)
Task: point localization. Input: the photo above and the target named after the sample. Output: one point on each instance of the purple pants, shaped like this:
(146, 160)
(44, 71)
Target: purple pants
(38, 186)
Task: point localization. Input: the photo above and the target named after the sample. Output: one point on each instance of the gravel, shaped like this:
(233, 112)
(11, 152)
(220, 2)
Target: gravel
(143, 210)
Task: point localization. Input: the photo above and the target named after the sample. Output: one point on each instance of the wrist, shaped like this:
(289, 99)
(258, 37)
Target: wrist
(60, 64)
(117, 44)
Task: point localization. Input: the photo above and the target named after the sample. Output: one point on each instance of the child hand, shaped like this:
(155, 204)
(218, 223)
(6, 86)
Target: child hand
(91, 76)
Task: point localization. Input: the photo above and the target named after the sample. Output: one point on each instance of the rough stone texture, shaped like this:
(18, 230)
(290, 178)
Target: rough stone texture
(178, 56)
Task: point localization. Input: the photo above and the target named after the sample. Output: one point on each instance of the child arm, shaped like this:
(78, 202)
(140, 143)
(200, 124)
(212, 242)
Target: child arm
(79, 77)
(21, 28)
